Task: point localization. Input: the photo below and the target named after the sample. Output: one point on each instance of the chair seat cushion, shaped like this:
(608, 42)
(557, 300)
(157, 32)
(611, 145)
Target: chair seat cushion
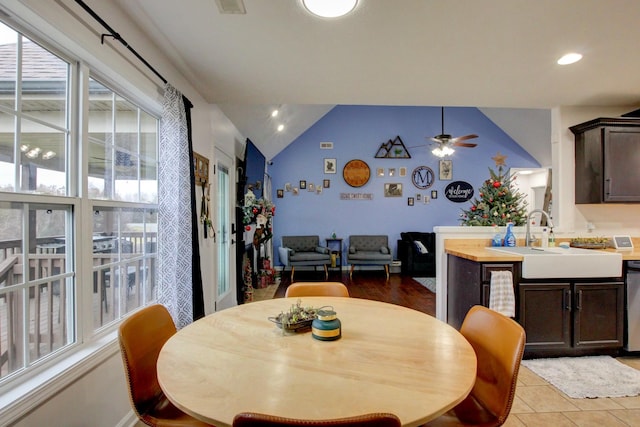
(370, 256)
(308, 256)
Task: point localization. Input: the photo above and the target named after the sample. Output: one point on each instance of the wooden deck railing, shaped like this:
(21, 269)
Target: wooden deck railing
(47, 301)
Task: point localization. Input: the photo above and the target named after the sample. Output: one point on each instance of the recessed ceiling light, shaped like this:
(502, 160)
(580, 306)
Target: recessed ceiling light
(569, 58)
(275, 113)
(329, 8)
(280, 128)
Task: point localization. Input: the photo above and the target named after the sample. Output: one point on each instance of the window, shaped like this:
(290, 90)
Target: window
(42, 206)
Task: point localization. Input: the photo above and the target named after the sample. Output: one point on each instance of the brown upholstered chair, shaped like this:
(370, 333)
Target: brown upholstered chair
(141, 337)
(317, 289)
(252, 419)
(499, 343)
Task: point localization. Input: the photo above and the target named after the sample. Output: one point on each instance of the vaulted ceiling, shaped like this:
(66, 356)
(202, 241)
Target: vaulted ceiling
(497, 54)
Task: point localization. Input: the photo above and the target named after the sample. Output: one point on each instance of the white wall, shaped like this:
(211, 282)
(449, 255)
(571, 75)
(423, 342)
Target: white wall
(99, 397)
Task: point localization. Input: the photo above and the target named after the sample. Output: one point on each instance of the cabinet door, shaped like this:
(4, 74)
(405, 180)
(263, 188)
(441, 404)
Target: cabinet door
(545, 315)
(463, 288)
(621, 161)
(598, 315)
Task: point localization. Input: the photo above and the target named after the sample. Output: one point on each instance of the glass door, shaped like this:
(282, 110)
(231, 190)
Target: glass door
(224, 247)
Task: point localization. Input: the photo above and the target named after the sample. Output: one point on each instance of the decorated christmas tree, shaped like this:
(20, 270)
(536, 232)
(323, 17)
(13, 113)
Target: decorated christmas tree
(499, 203)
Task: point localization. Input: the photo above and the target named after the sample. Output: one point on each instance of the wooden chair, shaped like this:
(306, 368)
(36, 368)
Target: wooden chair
(141, 337)
(252, 419)
(499, 343)
(317, 289)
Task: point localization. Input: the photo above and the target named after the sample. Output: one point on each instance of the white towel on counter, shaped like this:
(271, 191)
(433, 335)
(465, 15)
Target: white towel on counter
(502, 298)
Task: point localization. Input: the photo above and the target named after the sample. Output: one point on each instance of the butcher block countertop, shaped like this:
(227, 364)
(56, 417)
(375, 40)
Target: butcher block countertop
(477, 250)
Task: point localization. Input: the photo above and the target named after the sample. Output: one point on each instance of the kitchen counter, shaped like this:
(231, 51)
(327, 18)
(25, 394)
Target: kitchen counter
(476, 250)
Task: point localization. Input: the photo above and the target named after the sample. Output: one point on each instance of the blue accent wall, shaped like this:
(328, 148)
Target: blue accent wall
(357, 132)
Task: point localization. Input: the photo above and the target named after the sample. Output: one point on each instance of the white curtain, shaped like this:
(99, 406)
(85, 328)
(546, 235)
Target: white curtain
(175, 274)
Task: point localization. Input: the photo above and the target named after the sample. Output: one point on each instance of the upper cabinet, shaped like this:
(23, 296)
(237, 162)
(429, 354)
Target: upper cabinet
(607, 160)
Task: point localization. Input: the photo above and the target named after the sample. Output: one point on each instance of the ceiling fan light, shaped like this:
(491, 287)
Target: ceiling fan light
(329, 8)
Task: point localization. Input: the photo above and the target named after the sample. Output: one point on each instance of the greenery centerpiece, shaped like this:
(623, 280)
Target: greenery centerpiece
(297, 318)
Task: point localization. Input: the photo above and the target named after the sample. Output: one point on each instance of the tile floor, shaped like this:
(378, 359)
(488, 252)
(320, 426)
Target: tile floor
(538, 404)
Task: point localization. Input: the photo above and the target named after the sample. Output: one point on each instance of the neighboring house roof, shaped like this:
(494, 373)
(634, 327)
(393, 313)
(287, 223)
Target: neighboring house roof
(37, 63)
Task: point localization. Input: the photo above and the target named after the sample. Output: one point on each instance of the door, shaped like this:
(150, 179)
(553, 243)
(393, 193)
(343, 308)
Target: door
(545, 315)
(621, 160)
(225, 276)
(598, 314)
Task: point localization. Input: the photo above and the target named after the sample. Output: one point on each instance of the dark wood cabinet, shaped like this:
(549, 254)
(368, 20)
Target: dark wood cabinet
(607, 160)
(469, 284)
(572, 318)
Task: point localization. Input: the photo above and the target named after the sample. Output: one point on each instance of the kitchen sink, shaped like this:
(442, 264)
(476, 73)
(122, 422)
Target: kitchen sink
(565, 263)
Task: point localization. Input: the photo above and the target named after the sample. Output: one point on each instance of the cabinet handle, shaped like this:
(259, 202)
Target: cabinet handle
(579, 301)
(567, 299)
(607, 190)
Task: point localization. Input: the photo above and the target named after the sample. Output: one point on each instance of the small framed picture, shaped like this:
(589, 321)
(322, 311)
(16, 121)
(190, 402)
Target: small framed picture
(318, 189)
(295, 191)
(418, 197)
(326, 183)
(303, 185)
(410, 201)
(403, 171)
(287, 187)
(446, 170)
(434, 194)
(280, 193)
(393, 189)
(380, 172)
(330, 166)
(392, 171)
(311, 187)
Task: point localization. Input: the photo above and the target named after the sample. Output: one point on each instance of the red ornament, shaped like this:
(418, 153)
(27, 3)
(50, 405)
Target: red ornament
(473, 208)
(247, 227)
(481, 195)
(255, 210)
(496, 184)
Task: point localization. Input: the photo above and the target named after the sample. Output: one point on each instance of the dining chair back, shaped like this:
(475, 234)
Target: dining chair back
(253, 419)
(317, 289)
(498, 342)
(141, 338)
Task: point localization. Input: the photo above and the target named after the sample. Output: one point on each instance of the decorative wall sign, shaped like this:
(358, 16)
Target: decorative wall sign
(356, 196)
(422, 177)
(459, 191)
(393, 150)
(201, 168)
(356, 173)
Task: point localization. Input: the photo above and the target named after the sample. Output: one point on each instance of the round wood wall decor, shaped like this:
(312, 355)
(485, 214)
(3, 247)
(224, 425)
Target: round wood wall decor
(356, 173)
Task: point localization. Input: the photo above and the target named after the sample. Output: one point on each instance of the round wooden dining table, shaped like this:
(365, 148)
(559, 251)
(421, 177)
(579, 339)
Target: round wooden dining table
(389, 359)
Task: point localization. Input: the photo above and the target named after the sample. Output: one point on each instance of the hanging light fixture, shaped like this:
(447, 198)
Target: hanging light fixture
(329, 8)
(443, 151)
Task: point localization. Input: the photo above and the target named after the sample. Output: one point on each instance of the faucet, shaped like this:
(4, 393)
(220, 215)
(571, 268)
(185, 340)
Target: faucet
(528, 240)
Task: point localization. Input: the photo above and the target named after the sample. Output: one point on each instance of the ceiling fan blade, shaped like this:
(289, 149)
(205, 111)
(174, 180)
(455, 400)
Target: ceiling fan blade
(465, 137)
(464, 144)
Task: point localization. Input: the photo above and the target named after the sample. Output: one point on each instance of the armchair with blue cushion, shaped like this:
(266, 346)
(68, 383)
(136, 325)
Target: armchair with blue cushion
(304, 251)
(417, 253)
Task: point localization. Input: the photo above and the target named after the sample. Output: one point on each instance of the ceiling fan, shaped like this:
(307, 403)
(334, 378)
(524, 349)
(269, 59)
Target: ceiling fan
(446, 141)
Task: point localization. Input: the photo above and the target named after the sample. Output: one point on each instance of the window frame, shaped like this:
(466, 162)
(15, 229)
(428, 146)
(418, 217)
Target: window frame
(89, 344)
